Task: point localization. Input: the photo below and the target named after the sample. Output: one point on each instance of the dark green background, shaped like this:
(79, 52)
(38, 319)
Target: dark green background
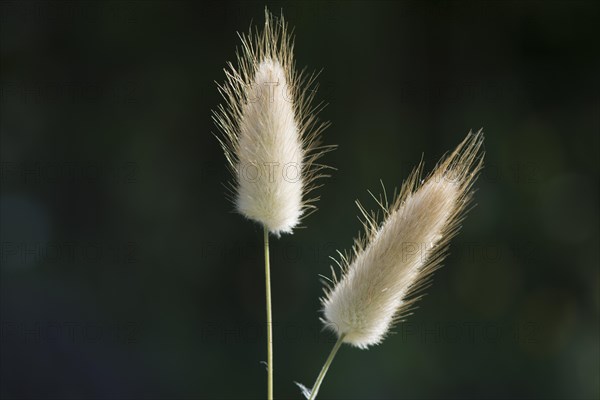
(125, 273)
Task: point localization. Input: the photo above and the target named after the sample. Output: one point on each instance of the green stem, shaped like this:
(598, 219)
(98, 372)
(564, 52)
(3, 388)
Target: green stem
(269, 319)
(317, 385)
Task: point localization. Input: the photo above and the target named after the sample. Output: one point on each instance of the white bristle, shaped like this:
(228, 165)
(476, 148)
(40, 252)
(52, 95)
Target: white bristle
(269, 130)
(399, 253)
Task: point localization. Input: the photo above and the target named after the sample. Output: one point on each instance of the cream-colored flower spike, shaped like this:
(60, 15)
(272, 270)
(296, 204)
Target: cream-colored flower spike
(269, 129)
(394, 260)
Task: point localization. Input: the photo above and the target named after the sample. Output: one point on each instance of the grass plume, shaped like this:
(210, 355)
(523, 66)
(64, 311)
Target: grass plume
(269, 129)
(396, 255)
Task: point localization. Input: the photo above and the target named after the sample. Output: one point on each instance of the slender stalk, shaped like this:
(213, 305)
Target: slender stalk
(317, 385)
(269, 319)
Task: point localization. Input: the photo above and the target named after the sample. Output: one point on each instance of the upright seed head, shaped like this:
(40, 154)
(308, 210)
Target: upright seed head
(269, 130)
(398, 254)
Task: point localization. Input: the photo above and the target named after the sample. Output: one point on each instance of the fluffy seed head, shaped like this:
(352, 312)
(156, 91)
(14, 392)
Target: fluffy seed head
(397, 255)
(269, 130)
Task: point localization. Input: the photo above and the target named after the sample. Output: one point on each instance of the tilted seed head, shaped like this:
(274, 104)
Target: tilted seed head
(269, 130)
(397, 255)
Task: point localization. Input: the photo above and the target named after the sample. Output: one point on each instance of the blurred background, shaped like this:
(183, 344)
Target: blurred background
(125, 272)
